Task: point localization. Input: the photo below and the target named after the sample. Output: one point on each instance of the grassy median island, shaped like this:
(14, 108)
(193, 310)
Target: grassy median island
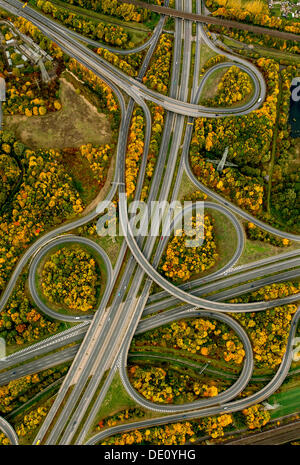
(224, 233)
(210, 88)
(227, 87)
(195, 341)
(218, 248)
(71, 279)
(77, 123)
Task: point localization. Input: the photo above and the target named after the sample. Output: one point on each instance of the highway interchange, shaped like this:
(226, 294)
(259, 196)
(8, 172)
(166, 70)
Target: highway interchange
(107, 337)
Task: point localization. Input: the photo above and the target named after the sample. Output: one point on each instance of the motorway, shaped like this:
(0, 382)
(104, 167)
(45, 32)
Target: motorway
(233, 277)
(233, 280)
(107, 339)
(133, 87)
(237, 269)
(114, 312)
(77, 333)
(132, 306)
(10, 433)
(40, 364)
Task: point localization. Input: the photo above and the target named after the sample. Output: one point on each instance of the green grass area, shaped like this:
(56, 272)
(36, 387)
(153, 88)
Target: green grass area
(288, 399)
(205, 54)
(187, 187)
(211, 85)
(115, 400)
(192, 66)
(226, 239)
(111, 245)
(275, 10)
(169, 24)
(256, 250)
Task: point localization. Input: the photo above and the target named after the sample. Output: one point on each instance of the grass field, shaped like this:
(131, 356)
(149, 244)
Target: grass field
(289, 401)
(211, 86)
(205, 54)
(187, 187)
(226, 239)
(256, 250)
(115, 400)
(64, 128)
(111, 245)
